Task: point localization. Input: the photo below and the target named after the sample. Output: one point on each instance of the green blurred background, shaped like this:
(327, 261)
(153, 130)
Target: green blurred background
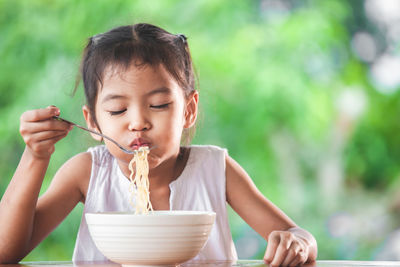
(304, 94)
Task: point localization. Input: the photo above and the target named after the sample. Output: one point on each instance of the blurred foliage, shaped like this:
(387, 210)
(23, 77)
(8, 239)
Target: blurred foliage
(270, 79)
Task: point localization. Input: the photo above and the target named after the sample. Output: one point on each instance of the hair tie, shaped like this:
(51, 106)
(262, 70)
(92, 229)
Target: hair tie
(182, 37)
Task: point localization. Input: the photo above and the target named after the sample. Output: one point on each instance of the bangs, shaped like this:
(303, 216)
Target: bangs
(130, 51)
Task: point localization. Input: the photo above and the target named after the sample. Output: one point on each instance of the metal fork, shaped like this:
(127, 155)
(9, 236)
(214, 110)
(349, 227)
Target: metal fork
(99, 134)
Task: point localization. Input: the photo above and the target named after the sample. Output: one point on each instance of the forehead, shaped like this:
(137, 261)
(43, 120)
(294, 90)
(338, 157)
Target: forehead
(138, 79)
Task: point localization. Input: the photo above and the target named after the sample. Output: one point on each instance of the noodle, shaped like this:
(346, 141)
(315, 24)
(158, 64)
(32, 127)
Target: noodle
(140, 182)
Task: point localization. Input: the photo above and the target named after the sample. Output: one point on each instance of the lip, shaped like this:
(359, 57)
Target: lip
(139, 142)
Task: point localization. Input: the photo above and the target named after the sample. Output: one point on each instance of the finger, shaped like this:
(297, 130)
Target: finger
(300, 259)
(55, 139)
(273, 242)
(51, 141)
(45, 147)
(280, 254)
(27, 128)
(46, 125)
(40, 114)
(291, 254)
(35, 140)
(43, 136)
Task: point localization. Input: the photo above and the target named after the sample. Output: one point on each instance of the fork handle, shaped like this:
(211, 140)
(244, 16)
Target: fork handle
(81, 127)
(94, 132)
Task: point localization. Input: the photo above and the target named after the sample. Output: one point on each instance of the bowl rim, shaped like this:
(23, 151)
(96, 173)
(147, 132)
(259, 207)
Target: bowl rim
(156, 218)
(156, 213)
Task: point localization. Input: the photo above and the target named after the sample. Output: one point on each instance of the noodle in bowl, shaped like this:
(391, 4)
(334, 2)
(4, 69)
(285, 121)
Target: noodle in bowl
(156, 238)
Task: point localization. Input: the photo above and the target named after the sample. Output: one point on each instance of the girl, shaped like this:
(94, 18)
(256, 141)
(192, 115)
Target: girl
(140, 91)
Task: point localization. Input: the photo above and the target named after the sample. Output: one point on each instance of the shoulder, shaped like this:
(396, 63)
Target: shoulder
(238, 182)
(207, 151)
(208, 156)
(207, 148)
(79, 162)
(233, 170)
(221, 154)
(100, 155)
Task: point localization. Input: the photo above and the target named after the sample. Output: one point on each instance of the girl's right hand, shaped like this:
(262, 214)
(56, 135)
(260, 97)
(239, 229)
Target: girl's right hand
(40, 132)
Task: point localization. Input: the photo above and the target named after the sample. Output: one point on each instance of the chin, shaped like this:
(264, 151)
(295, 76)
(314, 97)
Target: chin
(153, 160)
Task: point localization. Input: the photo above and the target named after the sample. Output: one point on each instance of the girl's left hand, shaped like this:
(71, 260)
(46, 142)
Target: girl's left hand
(286, 249)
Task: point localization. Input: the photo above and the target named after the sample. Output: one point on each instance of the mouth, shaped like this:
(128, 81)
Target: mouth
(138, 143)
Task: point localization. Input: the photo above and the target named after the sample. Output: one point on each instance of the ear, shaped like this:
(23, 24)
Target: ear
(91, 123)
(191, 109)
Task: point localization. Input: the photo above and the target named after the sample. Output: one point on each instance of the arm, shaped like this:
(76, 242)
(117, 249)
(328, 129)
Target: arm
(24, 219)
(288, 244)
(67, 189)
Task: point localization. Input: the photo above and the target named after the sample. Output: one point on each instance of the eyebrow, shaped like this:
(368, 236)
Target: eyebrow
(161, 90)
(111, 97)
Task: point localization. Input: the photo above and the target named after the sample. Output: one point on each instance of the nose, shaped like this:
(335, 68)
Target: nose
(138, 122)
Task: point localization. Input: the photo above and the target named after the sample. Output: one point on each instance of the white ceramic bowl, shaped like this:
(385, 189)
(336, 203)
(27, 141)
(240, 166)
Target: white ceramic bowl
(158, 238)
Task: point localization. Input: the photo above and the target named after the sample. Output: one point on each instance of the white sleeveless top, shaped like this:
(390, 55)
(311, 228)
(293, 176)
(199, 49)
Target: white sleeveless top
(201, 187)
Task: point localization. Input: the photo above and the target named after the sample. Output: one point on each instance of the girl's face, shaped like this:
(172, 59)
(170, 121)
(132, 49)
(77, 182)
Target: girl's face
(143, 106)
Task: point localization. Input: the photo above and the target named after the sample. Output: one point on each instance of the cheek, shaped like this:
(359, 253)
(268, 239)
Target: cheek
(109, 127)
(170, 127)
(176, 120)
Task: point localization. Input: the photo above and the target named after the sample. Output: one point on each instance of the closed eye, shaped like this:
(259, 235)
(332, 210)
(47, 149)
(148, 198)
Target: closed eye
(117, 112)
(160, 106)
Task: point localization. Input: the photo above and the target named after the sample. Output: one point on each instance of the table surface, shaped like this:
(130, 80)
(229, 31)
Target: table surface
(239, 263)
